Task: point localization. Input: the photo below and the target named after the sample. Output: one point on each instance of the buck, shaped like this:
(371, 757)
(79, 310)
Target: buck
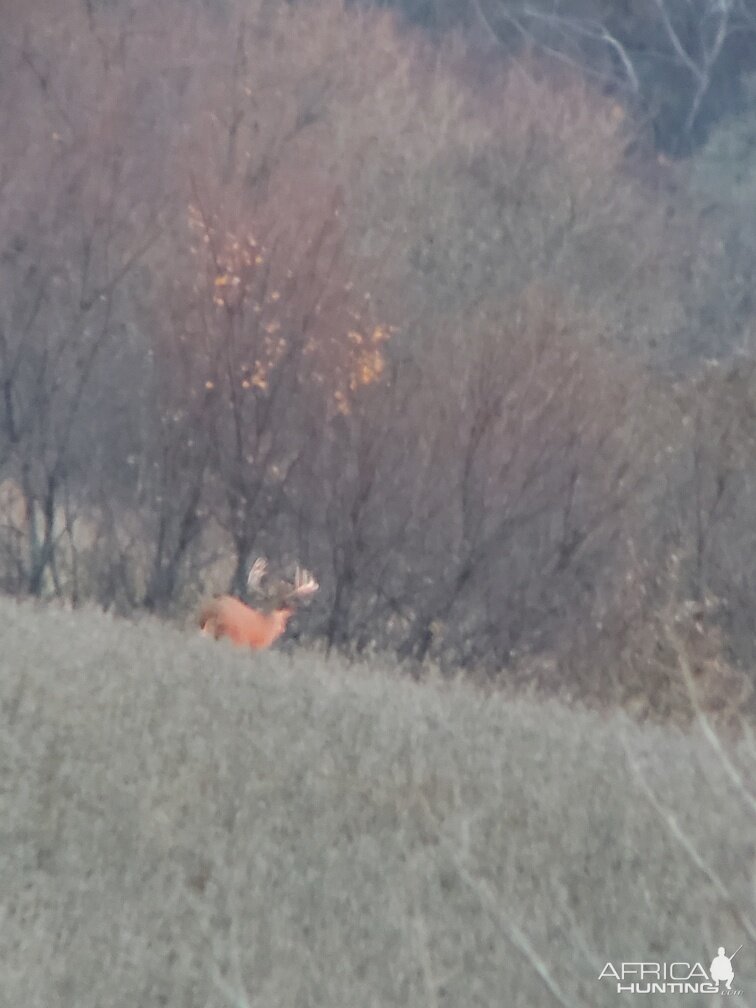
(226, 616)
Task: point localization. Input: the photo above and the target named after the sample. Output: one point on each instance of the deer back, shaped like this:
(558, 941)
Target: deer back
(229, 617)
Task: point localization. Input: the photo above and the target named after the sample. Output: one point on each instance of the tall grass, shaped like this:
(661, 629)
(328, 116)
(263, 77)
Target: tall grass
(184, 824)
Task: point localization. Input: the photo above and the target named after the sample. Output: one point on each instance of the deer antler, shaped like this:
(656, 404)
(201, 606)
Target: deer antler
(257, 572)
(304, 584)
(302, 587)
(280, 594)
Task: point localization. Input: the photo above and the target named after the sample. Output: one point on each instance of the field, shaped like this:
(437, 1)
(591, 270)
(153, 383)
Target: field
(187, 825)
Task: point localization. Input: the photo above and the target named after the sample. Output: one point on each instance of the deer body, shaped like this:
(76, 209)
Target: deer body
(226, 616)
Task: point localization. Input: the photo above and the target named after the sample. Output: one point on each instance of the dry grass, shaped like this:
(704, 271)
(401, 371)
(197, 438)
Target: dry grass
(187, 825)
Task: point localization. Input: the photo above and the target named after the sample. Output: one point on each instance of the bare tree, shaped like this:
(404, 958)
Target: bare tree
(74, 236)
(631, 51)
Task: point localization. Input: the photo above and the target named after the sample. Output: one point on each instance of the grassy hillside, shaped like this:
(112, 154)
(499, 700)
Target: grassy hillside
(186, 825)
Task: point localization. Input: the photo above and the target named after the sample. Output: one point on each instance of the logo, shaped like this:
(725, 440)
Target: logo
(721, 968)
(674, 977)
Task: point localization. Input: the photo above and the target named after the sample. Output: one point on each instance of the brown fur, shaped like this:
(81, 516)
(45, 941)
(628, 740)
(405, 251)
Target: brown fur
(225, 616)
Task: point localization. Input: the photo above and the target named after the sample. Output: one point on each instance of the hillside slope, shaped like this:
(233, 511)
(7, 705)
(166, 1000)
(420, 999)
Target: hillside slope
(187, 825)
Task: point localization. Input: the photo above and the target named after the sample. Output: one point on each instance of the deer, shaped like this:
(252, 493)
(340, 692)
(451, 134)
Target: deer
(227, 616)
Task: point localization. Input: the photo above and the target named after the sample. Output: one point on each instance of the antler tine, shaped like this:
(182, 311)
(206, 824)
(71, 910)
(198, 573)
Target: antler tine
(257, 572)
(304, 584)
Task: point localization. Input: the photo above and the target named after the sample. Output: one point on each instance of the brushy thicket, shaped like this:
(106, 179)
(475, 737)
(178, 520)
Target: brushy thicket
(187, 825)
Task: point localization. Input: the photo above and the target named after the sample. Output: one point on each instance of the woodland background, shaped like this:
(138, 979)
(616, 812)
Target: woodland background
(453, 303)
